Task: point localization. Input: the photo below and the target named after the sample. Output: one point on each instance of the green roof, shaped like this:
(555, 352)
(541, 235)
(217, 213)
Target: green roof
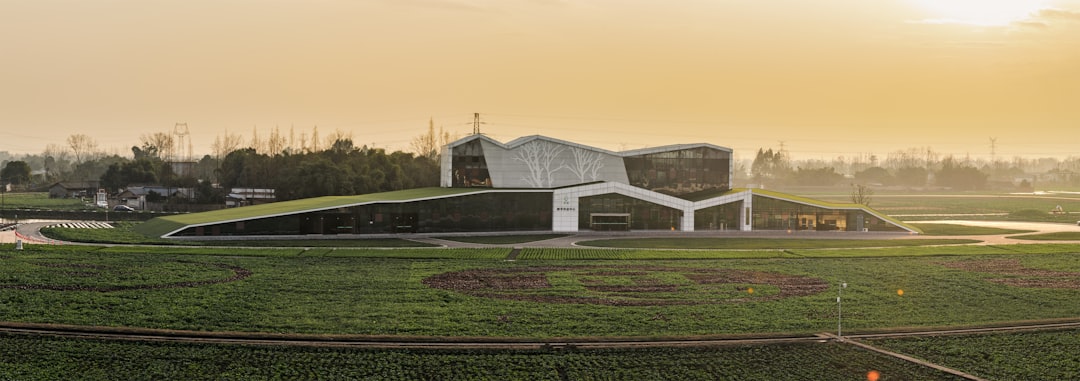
(830, 205)
(162, 226)
(165, 225)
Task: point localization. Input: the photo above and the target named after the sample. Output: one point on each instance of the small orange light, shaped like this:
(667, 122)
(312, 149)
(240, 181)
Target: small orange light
(873, 375)
(900, 292)
(750, 290)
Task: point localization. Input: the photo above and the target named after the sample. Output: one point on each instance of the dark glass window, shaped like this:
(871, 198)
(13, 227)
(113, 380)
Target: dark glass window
(618, 212)
(773, 214)
(501, 211)
(469, 168)
(681, 173)
(720, 217)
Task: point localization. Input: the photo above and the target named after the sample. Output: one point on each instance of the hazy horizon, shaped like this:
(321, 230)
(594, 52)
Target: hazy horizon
(823, 79)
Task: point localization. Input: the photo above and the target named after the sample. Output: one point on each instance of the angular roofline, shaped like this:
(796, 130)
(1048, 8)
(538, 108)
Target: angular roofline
(672, 147)
(642, 151)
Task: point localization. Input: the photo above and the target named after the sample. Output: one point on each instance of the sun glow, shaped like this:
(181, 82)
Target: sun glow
(980, 12)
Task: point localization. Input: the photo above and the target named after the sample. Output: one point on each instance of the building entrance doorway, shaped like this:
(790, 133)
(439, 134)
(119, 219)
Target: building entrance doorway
(609, 221)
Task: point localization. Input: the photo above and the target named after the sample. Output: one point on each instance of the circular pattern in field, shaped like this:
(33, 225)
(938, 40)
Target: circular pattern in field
(626, 285)
(1017, 275)
(110, 277)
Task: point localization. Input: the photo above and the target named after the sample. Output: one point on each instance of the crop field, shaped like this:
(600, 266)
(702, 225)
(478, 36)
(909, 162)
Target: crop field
(562, 294)
(29, 358)
(1049, 355)
(477, 293)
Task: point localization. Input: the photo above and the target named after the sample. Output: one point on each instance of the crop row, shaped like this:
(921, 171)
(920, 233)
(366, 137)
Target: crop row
(41, 358)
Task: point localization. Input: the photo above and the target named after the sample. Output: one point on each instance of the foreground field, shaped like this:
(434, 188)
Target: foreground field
(476, 293)
(30, 358)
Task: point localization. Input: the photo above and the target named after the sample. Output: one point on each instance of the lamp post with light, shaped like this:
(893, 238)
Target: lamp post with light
(3, 201)
(839, 293)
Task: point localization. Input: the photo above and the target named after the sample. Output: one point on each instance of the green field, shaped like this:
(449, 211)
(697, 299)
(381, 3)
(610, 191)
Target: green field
(546, 294)
(1035, 208)
(41, 200)
(123, 233)
(475, 292)
(1049, 355)
(29, 358)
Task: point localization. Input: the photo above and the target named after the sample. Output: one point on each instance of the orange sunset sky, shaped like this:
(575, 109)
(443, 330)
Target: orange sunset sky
(824, 77)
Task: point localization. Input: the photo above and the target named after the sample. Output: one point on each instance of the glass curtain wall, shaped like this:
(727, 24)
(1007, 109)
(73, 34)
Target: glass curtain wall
(774, 214)
(469, 166)
(681, 172)
(720, 217)
(503, 211)
(618, 212)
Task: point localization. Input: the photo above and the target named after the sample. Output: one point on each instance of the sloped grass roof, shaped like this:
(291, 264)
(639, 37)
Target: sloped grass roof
(164, 225)
(832, 205)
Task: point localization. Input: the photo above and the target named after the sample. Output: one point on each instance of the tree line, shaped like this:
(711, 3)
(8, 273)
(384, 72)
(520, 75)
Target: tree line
(910, 168)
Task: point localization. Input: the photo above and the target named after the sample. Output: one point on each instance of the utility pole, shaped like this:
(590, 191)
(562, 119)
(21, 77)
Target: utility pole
(993, 153)
(476, 123)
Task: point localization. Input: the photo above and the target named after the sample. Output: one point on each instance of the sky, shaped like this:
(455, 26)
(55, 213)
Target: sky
(820, 78)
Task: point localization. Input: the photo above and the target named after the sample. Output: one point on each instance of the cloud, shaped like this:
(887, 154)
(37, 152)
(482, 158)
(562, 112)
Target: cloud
(1059, 14)
(1031, 24)
(451, 5)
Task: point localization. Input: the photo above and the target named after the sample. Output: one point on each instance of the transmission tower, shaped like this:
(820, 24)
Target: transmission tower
(182, 134)
(993, 152)
(476, 123)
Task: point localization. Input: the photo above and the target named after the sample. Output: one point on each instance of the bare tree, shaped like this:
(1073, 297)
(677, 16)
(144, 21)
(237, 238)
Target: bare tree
(224, 145)
(161, 144)
(83, 147)
(428, 145)
(338, 135)
(425, 145)
(61, 160)
(861, 194)
(586, 163)
(538, 156)
(276, 143)
(257, 143)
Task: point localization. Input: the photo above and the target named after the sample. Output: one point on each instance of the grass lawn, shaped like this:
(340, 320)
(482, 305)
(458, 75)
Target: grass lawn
(41, 200)
(758, 243)
(955, 229)
(123, 233)
(505, 239)
(1055, 236)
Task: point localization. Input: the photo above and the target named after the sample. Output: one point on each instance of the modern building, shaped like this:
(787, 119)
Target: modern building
(537, 183)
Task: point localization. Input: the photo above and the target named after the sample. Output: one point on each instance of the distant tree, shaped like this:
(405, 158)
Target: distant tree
(770, 165)
(206, 193)
(816, 177)
(82, 146)
(874, 175)
(16, 172)
(960, 176)
(121, 175)
(911, 176)
(429, 144)
(861, 194)
(158, 145)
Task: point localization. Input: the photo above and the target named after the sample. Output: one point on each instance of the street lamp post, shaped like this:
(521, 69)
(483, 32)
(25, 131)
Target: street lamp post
(839, 293)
